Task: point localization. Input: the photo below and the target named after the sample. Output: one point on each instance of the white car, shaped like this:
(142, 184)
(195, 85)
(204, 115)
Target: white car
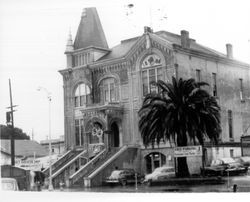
(159, 174)
(9, 184)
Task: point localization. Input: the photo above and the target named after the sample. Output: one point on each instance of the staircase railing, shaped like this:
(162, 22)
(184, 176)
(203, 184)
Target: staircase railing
(69, 163)
(53, 165)
(88, 166)
(124, 148)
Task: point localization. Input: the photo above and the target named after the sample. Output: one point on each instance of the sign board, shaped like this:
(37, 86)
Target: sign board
(188, 151)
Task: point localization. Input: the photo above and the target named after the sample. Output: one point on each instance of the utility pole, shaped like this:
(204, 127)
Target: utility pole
(10, 121)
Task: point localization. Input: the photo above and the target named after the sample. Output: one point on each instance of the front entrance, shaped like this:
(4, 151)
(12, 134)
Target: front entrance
(154, 160)
(114, 135)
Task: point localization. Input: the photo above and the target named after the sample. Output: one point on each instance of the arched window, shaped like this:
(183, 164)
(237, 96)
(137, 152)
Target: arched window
(151, 72)
(109, 90)
(82, 95)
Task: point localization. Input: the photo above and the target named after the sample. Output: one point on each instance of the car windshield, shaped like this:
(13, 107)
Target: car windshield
(116, 173)
(228, 160)
(8, 185)
(246, 158)
(167, 170)
(163, 170)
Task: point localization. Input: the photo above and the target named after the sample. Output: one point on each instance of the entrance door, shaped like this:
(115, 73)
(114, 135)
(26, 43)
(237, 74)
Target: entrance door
(114, 137)
(154, 160)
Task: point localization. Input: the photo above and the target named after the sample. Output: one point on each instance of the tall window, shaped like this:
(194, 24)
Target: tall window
(109, 90)
(151, 72)
(176, 71)
(214, 84)
(231, 153)
(79, 133)
(241, 89)
(230, 124)
(198, 75)
(82, 95)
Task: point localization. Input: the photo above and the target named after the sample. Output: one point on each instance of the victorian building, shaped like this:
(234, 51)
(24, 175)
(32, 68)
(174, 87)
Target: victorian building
(104, 89)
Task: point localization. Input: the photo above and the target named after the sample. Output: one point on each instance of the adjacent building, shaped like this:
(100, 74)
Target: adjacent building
(104, 88)
(28, 154)
(57, 145)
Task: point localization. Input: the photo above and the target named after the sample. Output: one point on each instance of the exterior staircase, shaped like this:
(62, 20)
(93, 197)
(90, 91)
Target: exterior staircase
(91, 166)
(62, 165)
(71, 171)
(95, 171)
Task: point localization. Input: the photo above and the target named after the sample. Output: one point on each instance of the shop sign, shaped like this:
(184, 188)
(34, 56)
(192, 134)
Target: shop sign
(188, 151)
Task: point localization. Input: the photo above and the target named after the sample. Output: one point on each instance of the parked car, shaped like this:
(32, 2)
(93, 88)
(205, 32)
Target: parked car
(124, 177)
(160, 174)
(224, 166)
(244, 160)
(9, 184)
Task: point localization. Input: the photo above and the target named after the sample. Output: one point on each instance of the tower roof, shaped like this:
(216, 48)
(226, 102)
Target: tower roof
(90, 32)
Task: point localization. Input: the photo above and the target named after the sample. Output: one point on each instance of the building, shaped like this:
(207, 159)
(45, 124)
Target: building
(27, 154)
(57, 145)
(5, 157)
(104, 89)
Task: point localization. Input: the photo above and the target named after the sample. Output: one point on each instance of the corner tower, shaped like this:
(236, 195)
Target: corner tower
(90, 42)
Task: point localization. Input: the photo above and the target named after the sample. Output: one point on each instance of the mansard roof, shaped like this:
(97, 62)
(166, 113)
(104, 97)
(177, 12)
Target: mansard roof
(90, 32)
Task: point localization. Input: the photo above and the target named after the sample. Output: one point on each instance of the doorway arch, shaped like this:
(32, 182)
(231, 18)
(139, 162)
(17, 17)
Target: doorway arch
(114, 135)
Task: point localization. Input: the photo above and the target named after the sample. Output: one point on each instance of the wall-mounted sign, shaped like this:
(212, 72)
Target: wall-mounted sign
(188, 151)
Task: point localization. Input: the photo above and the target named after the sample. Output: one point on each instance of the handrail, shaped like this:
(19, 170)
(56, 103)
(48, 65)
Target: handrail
(124, 148)
(89, 164)
(67, 164)
(46, 169)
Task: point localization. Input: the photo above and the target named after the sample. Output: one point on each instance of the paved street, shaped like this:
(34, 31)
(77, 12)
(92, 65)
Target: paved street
(162, 189)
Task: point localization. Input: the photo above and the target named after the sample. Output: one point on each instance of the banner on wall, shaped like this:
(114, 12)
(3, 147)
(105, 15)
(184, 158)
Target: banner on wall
(188, 151)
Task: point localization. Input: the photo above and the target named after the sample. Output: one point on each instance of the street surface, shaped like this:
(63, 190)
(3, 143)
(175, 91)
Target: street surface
(226, 187)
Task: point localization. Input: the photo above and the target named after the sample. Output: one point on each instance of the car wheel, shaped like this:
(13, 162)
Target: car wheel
(124, 182)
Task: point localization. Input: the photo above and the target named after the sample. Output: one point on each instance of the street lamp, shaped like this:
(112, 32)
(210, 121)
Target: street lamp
(50, 170)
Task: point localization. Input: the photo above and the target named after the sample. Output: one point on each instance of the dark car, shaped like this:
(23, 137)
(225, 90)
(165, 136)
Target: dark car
(244, 160)
(224, 166)
(124, 177)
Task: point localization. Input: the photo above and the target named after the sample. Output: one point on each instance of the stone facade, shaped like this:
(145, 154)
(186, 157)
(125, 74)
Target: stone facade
(104, 88)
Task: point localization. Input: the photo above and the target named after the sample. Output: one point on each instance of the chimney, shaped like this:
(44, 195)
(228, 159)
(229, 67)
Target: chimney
(147, 30)
(229, 50)
(185, 42)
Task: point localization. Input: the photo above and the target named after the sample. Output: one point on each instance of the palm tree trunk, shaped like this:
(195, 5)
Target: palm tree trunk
(182, 167)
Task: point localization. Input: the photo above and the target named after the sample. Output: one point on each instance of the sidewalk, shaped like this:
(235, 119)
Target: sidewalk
(190, 181)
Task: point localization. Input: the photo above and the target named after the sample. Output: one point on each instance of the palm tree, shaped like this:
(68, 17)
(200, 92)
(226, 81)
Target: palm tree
(181, 111)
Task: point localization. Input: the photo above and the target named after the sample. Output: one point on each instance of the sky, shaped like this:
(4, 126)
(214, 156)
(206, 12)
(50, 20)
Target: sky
(34, 33)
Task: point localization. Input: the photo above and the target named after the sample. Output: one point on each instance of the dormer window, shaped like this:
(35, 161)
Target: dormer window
(82, 95)
(151, 72)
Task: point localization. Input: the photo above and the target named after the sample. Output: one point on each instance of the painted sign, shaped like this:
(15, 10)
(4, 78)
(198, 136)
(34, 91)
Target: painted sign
(188, 151)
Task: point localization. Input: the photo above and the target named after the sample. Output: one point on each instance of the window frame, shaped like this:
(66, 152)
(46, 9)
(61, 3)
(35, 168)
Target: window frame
(214, 84)
(145, 75)
(82, 99)
(198, 75)
(106, 89)
(230, 125)
(79, 132)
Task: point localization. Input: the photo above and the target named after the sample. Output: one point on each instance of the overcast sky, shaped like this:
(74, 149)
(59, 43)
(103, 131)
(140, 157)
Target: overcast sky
(34, 33)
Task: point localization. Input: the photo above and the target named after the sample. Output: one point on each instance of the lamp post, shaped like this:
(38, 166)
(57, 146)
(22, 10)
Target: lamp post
(50, 169)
